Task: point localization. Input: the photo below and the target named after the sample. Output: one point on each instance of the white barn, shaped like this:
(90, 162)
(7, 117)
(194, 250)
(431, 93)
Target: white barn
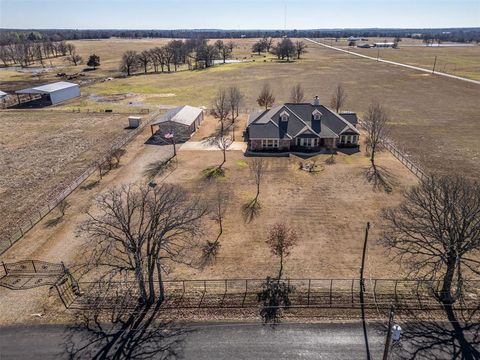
(54, 93)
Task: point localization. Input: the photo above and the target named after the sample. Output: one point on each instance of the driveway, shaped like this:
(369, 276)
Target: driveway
(206, 146)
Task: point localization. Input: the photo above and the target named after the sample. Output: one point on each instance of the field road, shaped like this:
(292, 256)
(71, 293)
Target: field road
(396, 63)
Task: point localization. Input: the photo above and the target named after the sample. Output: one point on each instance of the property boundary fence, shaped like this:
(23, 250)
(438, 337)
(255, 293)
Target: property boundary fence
(29, 274)
(400, 155)
(40, 213)
(242, 293)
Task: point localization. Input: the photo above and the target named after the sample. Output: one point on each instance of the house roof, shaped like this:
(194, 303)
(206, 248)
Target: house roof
(2, 94)
(48, 88)
(184, 115)
(268, 124)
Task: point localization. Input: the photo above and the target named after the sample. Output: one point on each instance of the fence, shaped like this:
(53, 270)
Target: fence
(242, 293)
(401, 156)
(6, 243)
(29, 274)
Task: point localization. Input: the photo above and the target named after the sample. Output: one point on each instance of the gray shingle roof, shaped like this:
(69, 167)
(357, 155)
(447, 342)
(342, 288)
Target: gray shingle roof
(269, 125)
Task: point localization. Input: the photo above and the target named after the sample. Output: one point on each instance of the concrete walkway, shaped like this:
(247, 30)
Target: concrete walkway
(396, 63)
(206, 146)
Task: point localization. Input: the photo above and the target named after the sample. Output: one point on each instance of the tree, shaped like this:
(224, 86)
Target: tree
(338, 98)
(235, 98)
(258, 47)
(129, 62)
(376, 125)
(137, 230)
(285, 49)
(297, 95)
(144, 60)
(74, 58)
(225, 50)
(221, 108)
(300, 48)
(436, 230)
(257, 168)
(275, 293)
(266, 98)
(223, 142)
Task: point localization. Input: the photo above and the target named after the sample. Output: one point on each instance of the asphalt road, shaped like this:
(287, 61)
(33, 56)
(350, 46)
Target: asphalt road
(220, 341)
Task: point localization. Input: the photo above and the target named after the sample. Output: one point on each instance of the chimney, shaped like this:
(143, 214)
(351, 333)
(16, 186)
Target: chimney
(316, 100)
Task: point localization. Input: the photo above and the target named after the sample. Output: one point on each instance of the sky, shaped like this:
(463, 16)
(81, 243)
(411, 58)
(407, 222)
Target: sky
(237, 14)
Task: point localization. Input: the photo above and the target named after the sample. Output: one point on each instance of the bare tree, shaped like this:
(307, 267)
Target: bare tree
(221, 108)
(235, 98)
(297, 95)
(74, 58)
(144, 59)
(275, 293)
(136, 231)
(129, 62)
(257, 168)
(377, 129)
(223, 142)
(266, 98)
(300, 48)
(225, 50)
(338, 98)
(436, 230)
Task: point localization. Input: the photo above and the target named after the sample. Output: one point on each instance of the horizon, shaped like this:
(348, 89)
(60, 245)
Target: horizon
(244, 15)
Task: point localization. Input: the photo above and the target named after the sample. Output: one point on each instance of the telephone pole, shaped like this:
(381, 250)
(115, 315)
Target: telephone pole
(434, 64)
(389, 333)
(362, 289)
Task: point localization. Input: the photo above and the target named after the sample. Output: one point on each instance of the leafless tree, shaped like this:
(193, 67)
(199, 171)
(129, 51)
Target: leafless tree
(218, 209)
(300, 48)
(377, 131)
(275, 292)
(129, 62)
(144, 59)
(221, 108)
(223, 142)
(257, 168)
(225, 50)
(235, 98)
(74, 58)
(338, 98)
(266, 98)
(297, 95)
(436, 231)
(137, 231)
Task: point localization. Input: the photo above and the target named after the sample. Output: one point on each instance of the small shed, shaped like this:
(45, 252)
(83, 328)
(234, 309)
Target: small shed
(186, 117)
(54, 93)
(134, 122)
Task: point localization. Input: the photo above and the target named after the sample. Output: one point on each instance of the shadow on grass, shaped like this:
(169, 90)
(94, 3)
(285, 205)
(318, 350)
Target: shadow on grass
(213, 172)
(90, 185)
(251, 210)
(380, 178)
(54, 222)
(209, 252)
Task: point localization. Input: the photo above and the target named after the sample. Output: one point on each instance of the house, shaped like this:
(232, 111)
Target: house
(301, 127)
(182, 119)
(54, 93)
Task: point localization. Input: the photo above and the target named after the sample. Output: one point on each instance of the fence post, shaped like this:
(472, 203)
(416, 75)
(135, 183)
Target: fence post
(33, 264)
(308, 294)
(331, 285)
(353, 284)
(5, 268)
(396, 297)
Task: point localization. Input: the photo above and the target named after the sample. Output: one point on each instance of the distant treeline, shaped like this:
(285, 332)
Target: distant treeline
(8, 36)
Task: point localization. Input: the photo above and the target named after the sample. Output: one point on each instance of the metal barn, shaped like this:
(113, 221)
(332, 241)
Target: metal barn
(54, 93)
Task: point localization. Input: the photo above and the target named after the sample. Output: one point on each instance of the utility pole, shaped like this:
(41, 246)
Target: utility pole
(378, 53)
(362, 289)
(389, 333)
(434, 63)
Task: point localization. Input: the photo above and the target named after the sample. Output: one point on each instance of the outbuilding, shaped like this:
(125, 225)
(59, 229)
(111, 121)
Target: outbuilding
(54, 93)
(185, 119)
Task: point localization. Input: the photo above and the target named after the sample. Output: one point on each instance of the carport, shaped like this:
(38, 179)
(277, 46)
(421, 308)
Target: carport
(53, 93)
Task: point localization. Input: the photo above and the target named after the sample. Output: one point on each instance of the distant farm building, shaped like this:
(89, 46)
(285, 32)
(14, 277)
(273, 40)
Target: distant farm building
(183, 120)
(384, 45)
(54, 93)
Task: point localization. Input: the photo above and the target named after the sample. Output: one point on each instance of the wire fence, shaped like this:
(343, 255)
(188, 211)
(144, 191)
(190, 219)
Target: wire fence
(242, 293)
(7, 241)
(402, 156)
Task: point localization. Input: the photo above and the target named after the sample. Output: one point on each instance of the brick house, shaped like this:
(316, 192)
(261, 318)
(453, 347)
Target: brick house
(301, 127)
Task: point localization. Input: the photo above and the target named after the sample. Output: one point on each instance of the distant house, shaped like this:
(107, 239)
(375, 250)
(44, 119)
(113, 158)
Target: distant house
(185, 119)
(54, 93)
(301, 127)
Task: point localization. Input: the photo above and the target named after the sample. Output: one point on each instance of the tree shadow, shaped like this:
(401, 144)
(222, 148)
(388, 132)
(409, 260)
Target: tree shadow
(251, 210)
(457, 338)
(123, 333)
(54, 222)
(90, 185)
(159, 168)
(381, 178)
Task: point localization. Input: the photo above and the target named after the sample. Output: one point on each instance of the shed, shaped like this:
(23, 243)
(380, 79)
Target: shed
(186, 117)
(54, 93)
(134, 121)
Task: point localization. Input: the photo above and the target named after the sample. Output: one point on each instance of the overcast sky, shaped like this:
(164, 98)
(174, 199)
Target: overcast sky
(237, 14)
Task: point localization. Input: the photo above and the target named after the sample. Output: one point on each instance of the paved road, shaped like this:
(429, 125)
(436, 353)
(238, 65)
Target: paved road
(396, 63)
(220, 341)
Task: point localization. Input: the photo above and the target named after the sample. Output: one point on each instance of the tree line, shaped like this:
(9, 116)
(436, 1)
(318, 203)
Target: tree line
(283, 49)
(195, 53)
(445, 34)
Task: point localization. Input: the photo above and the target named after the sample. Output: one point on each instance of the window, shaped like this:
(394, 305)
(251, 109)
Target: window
(284, 116)
(316, 115)
(270, 143)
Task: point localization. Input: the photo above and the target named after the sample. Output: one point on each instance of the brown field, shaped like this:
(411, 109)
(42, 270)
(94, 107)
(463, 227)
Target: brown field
(455, 60)
(41, 152)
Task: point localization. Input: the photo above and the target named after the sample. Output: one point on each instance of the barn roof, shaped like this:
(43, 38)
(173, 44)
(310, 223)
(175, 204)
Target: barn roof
(184, 115)
(48, 88)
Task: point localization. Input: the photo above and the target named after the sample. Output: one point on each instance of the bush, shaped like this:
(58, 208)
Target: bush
(213, 172)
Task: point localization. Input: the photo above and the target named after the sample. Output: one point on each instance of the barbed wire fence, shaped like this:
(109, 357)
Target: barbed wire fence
(7, 241)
